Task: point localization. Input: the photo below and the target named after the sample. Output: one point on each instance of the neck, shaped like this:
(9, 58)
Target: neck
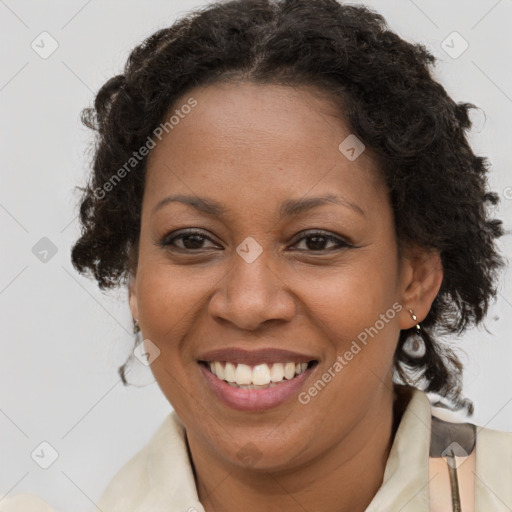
(344, 479)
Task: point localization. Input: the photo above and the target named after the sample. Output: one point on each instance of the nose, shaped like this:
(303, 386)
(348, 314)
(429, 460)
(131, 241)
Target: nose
(251, 294)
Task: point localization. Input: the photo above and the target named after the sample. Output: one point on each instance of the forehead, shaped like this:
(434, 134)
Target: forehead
(253, 139)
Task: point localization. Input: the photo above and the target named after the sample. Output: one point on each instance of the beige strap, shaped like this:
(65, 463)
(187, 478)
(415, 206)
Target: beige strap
(452, 466)
(463, 469)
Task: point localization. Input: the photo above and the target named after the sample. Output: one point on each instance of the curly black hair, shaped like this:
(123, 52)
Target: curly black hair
(414, 130)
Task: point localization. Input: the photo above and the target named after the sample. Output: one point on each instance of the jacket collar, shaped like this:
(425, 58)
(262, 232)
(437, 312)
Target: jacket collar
(172, 486)
(405, 483)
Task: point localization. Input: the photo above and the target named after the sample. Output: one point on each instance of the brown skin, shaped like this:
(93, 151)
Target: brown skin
(251, 147)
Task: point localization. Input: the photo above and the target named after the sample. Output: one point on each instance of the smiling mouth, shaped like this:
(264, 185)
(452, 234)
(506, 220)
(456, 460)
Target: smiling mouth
(261, 376)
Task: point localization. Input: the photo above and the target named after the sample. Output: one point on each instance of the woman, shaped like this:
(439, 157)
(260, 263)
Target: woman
(292, 202)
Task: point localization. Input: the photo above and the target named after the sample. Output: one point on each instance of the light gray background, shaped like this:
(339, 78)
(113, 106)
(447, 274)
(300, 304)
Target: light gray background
(62, 339)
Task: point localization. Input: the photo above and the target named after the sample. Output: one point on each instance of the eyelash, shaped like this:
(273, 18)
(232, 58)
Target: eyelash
(167, 242)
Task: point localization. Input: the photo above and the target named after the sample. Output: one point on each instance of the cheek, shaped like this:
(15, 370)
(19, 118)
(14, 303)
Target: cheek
(356, 319)
(169, 296)
(355, 309)
(169, 299)
(351, 297)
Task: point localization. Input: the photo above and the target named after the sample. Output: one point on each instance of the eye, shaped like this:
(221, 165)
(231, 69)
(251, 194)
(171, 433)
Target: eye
(316, 241)
(192, 239)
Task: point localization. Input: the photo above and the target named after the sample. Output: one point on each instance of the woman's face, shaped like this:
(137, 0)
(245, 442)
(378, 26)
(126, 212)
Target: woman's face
(270, 267)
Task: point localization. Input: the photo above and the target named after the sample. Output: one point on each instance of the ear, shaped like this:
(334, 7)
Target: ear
(422, 275)
(132, 296)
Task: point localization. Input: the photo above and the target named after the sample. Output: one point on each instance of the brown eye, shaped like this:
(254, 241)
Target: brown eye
(317, 241)
(188, 241)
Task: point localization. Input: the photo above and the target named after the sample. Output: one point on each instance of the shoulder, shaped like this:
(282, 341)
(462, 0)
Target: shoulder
(24, 503)
(156, 476)
(130, 484)
(122, 494)
(152, 472)
(493, 437)
(494, 453)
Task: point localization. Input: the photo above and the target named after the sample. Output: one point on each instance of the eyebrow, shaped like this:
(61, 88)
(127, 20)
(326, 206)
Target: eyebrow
(295, 206)
(203, 204)
(288, 208)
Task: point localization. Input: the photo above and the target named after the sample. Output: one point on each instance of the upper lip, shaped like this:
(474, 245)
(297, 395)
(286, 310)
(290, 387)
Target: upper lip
(255, 357)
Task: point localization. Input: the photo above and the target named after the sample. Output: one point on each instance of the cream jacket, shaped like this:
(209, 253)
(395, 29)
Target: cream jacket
(159, 477)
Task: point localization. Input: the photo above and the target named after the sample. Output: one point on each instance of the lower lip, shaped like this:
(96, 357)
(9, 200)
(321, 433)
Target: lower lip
(254, 399)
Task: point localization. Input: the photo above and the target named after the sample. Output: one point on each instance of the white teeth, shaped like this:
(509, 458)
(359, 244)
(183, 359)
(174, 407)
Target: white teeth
(243, 374)
(289, 370)
(219, 370)
(229, 372)
(277, 372)
(252, 386)
(261, 375)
